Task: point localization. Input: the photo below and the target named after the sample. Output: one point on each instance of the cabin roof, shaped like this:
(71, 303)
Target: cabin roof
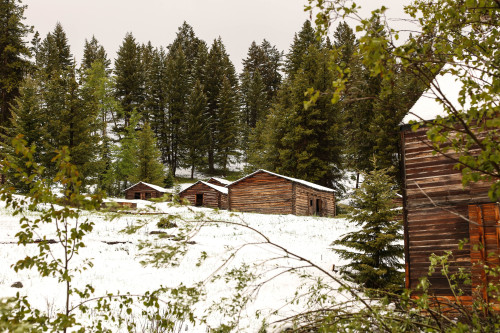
(155, 187)
(221, 180)
(295, 180)
(220, 189)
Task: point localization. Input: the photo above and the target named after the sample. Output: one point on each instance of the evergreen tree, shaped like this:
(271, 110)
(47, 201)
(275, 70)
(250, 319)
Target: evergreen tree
(54, 54)
(312, 146)
(64, 122)
(149, 166)
(98, 100)
(260, 80)
(126, 157)
(375, 251)
(195, 131)
(226, 138)
(218, 67)
(129, 74)
(156, 101)
(13, 55)
(270, 70)
(301, 43)
(92, 52)
(177, 90)
(192, 47)
(254, 106)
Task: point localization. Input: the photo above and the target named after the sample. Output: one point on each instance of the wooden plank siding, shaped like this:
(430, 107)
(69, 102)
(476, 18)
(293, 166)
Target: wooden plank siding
(145, 192)
(485, 245)
(267, 193)
(306, 200)
(261, 193)
(436, 211)
(211, 197)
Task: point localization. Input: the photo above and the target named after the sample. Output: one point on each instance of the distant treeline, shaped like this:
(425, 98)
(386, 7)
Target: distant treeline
(185, 106)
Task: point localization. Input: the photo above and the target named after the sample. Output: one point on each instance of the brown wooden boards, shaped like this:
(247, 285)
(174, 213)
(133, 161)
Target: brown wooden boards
(436, 211)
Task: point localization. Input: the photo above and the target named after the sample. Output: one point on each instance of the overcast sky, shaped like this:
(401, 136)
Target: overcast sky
(238, 22)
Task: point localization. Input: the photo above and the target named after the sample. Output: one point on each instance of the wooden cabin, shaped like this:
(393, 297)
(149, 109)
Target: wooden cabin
(219, 181)
(205, 194)
(270, 193)
(144, 191)
(439, 213)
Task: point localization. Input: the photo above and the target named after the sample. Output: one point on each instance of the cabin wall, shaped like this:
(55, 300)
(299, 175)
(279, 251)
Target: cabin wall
(144, 190)
(305, 201)
(211, 197)
(261, 193)
(435, 211)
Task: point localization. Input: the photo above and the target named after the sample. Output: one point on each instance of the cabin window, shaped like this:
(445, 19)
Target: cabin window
(148, 195)
(199, 199)
(137, 195)
(310, 203)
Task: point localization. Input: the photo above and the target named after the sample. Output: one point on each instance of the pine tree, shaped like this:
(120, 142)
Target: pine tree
(92, 52)
(13, 55)
(218, 67)
(254, 105)
(312, 144)
(226, 137)
(177, 90)
(54, 54)
(126, 158)
(156, 101)
(149, 166)
(129, 76)
(375, 251)
(260, 81)
(96, 92)
(195, 130)
(301, 43)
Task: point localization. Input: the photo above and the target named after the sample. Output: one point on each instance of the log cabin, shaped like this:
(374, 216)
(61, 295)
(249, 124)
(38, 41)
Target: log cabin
(219, 181)
(144, 191)
(440, 213)
(271, 193)
(205, 194)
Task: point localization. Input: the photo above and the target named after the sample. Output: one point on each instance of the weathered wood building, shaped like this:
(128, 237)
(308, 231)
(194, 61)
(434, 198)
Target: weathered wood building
(439, 213)
(144, 191)
(219, 181)
(270, 193)
(206, 194)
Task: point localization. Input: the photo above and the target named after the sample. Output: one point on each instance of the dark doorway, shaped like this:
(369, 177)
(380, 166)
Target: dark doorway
(319, 206)
(148, 195)
(199, 200)
(137, 195)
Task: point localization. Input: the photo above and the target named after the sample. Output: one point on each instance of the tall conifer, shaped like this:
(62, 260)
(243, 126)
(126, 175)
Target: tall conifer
(195, 130)
(149, 166)
(129, 76)
(14, 55)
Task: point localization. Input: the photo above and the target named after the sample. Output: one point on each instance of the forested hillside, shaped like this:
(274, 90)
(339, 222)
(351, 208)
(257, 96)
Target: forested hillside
(152, 109)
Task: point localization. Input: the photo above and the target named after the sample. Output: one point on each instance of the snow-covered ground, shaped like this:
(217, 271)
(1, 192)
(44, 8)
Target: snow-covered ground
(117, 267)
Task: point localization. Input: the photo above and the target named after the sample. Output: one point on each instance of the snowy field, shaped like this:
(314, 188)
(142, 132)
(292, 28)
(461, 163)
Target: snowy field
(214, 248)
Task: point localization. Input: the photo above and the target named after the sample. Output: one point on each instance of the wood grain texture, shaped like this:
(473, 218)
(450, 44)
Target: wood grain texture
(145, 192)
(270, 194)
(211, 197)
(436, 210)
